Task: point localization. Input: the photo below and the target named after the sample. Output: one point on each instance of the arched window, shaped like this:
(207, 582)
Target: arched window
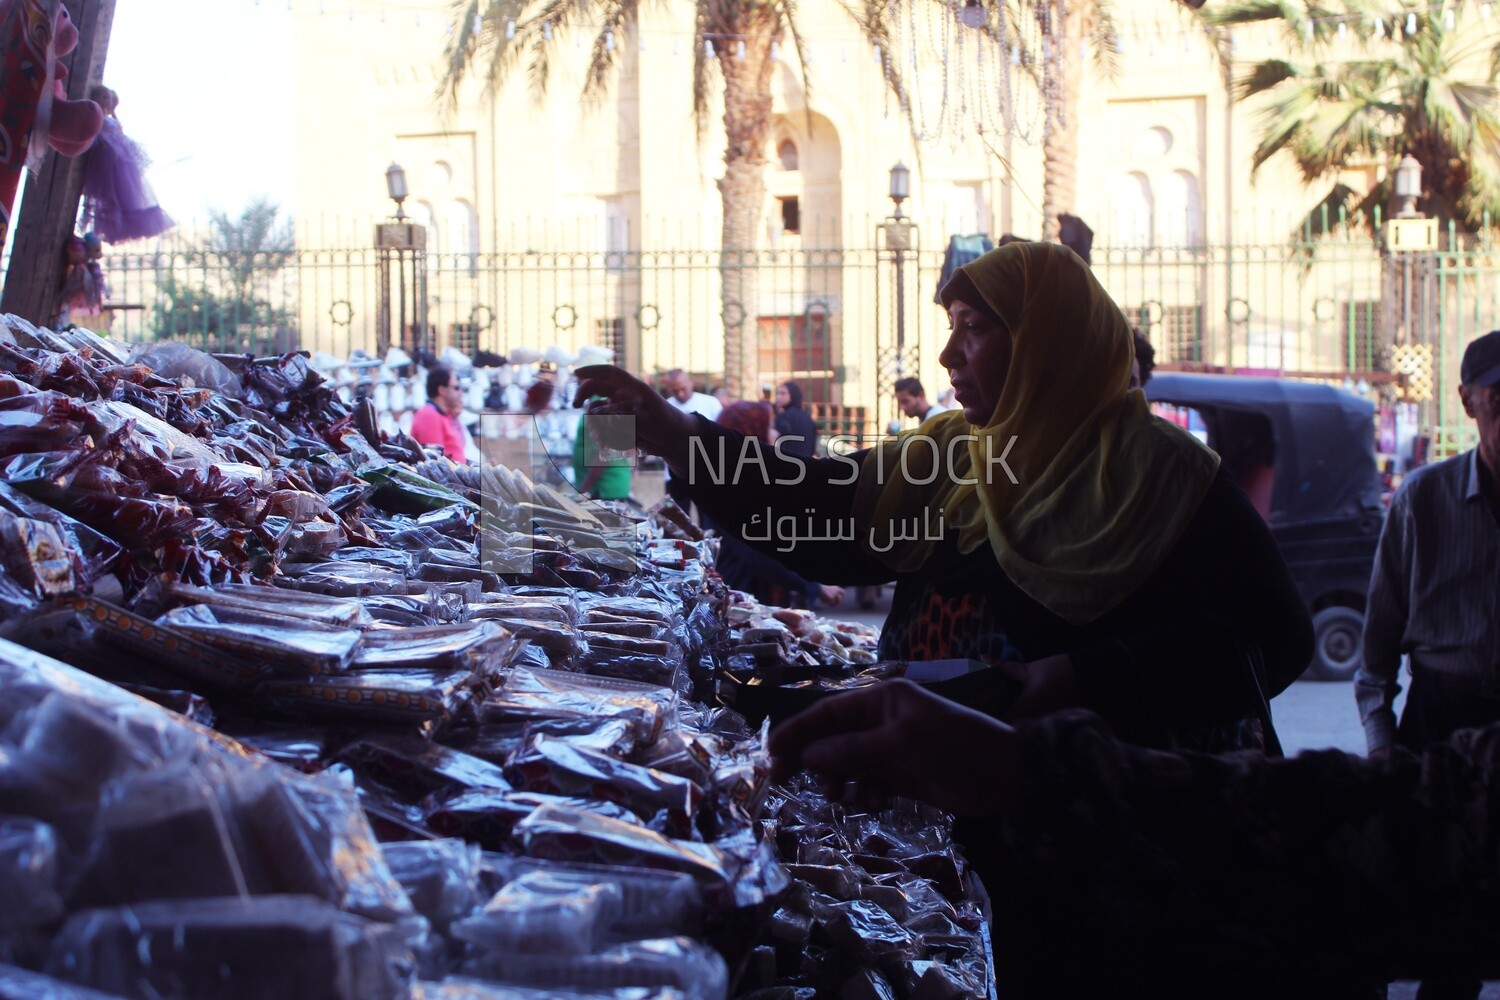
(1133, 210)
(1182, 211)
(461, 227)
(786, 152)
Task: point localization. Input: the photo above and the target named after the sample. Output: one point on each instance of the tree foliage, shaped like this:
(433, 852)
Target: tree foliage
(1374, 92)
(219, 295)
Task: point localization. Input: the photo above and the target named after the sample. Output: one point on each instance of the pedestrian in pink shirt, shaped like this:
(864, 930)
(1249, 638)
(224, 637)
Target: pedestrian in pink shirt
(436, 423)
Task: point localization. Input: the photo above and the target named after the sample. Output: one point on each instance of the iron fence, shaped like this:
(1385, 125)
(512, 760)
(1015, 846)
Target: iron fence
(1329, 308)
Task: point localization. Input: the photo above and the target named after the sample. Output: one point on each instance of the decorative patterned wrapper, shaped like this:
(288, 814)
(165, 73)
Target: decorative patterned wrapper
(416, 695)
(184, 655)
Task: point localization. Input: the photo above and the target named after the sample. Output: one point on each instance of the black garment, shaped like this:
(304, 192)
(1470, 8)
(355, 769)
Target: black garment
(1167, 667)
(795, 422)
(1127, 873)
(1439, 705)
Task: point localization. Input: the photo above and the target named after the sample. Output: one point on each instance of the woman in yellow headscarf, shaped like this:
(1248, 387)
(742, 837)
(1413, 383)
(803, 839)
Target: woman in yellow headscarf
(1054, 526)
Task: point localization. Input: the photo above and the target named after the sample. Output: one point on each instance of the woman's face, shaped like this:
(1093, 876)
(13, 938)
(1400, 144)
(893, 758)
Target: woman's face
(783, 397)
(977, 357)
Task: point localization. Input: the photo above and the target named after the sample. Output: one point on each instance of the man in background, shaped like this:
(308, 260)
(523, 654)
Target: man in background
(436, 423)
(911, 398)
(1433, 596)
(680, 393)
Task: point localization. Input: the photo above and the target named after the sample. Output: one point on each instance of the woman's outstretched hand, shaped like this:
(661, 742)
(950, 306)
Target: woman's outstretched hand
(896, 738)
(659, 427)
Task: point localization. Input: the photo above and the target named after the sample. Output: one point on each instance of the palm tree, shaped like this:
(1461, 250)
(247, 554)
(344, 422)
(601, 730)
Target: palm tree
(740, 36)
(1067, 28)
(1429, 92)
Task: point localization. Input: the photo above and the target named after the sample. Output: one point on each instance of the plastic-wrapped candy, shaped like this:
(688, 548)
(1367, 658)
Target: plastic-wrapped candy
(548, 913)
(679, 963)
(489, 818)
(232, 949)
(533, 693)
(92, 553)
(557, 766)
(23, 984)
(373, 695)
(737, 872)
(652, 903)
(481, 647)
(28, 874)
(416, 767)
(441, 877)
(255, 597)
(290, 645)
(189, 657)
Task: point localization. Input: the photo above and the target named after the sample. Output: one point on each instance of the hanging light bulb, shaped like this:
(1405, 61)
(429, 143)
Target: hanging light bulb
(739, 49)
(878, 57)
(475, 26)
(1343, 31)
(1307, 29)
(546, 31)
(708, 48)
(609, 40)
(775, 52)
(1448, 19)
(1015, 55)
(1411, 24)
(510, 30)
(1485, 11)
(1380, 27)
(972, 16)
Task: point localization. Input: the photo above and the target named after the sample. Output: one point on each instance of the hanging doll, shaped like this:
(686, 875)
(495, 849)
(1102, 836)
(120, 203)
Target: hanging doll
(80, 294)
(118, 202)
(34, 106)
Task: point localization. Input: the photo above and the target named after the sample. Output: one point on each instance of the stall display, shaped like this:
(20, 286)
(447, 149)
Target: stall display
(468, 733)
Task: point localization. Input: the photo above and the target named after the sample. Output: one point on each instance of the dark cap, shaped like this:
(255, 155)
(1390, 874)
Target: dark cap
(1482, 360)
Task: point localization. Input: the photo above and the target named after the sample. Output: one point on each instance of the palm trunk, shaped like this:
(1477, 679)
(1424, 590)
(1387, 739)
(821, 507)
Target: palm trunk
(747, 127)
(1060, 134)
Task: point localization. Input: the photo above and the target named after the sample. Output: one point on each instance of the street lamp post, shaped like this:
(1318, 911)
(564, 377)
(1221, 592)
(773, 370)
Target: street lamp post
(900, 237)
(401, 243)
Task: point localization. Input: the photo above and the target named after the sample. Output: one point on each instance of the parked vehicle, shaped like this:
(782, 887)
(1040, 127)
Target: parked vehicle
(1305, 455)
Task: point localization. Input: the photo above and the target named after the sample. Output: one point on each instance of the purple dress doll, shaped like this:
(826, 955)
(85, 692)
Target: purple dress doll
(118, 202)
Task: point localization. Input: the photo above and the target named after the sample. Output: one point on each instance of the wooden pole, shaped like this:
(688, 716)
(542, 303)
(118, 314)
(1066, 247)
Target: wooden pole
(49, 203)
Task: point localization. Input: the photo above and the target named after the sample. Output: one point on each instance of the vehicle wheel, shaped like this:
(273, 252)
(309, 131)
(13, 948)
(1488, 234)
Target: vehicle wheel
(1338, 643)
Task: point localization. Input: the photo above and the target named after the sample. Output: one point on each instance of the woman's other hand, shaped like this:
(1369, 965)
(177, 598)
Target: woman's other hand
(896, 738)
(659, 428)
(1047, 685)
(830, 595)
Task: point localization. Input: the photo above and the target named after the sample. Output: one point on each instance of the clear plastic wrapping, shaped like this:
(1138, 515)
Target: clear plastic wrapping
(480, 647)
(261, 948)
(427, 696)
(415, 767)
(682, 964)
(653, 903)
(23, 984)
(542, 912)
(737, 872)
(336, 611)
(534, 693)
(290, 645)
(29, 873)
(441, 877)
(554, 765)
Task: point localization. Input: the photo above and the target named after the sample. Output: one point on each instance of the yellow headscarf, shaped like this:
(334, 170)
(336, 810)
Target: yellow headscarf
(1105, 488)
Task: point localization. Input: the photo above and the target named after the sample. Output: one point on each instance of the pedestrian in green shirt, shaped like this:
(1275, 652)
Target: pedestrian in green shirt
(601, 479)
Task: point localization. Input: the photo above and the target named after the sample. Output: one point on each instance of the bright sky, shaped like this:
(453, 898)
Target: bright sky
(206, 89)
